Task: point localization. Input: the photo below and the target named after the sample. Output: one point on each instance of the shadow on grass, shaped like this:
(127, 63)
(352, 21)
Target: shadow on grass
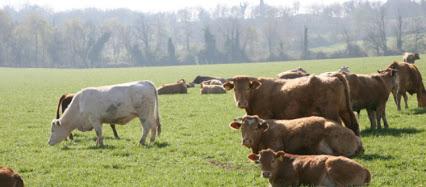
(389, 132)
(417, 111)
(157, 145)
(94, 147)
(375, 157)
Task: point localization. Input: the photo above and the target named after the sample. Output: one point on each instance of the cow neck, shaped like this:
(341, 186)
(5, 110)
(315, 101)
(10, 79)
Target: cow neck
(251, 103)
(68, 121)
(267, 137)
(387, 80)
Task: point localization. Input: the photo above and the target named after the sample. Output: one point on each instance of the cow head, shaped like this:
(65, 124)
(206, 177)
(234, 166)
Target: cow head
(252, 128)
(389, 76)
(243, 86)
(58, 132)
(344, 69)
(269, 161)
(416, 56)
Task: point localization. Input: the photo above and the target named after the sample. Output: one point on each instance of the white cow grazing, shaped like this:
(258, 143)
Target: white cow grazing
(117, 104)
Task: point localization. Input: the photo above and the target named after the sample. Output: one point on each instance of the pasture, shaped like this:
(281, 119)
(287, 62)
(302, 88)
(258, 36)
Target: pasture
(196, 147)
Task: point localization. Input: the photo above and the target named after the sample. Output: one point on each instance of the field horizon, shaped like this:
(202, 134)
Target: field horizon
(196, 147)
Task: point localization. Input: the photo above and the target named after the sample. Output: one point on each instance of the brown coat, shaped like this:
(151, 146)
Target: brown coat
(408, 80)
(9, 178)
(371, 92)
(294, 98)
(308, 135)
(173, 88)
(63, 103)
(283, 169)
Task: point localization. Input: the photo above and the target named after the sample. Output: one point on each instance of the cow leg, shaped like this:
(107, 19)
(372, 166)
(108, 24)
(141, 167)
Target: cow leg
(398, 101)
(372, 118)
(114, 131)
(71, 136)
(379, 119)
(146, 127)
(99, 137)
(405, 100)
(385, 121)
(153, 134)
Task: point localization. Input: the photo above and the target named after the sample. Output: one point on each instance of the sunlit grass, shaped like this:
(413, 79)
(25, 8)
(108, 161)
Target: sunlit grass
(196, 148)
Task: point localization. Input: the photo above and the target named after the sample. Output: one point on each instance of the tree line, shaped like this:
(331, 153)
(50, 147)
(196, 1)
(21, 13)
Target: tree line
(38, 37)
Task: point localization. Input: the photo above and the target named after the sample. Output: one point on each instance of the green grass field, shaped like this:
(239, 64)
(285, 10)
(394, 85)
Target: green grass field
(196, 148)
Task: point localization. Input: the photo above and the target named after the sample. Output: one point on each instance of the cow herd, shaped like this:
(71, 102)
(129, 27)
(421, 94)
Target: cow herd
(300, 127)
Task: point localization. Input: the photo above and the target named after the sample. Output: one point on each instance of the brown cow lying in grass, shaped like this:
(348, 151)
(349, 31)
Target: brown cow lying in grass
(408, 80)
(308, 135)
(64, 101)
(411, 57)
(212, 82)
(201, 78)
(371, 92)
(343, 69)
(295, 98)
(212, 89)
(9, 178)
(292, 74)
(174, 88)
(283, 169)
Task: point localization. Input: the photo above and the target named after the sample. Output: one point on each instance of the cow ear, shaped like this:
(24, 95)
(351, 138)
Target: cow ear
(255, 84)
(279, 155)
(253, 157)
(235, 125)
(228, 85)
(393, 72)
(263, 125)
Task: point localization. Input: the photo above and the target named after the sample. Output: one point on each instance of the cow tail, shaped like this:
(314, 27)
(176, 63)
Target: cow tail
(156, 108)
(354, 122)
(419, 80)
(59, 105)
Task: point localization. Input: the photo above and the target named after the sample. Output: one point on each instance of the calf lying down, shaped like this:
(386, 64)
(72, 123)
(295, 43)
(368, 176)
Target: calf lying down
(308, 135)
(283, 169)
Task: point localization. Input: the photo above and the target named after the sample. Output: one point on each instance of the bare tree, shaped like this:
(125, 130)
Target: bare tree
(417, 31)
(376, 32)
(398, 32)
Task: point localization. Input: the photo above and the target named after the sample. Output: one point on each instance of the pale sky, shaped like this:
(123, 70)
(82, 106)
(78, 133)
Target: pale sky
(150, 5)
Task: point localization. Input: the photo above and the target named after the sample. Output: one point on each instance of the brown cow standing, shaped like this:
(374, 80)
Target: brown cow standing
(283, 169)
(410, 57)
(9, 178)
(174, 88)
(294, 98)
(292, 74)
(371, 92)
(308, 135)
(64, 101)
(408, 80)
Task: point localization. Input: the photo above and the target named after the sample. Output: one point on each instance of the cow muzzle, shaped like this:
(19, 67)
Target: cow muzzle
(266, 174)
(242, 105)
(247, 143)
